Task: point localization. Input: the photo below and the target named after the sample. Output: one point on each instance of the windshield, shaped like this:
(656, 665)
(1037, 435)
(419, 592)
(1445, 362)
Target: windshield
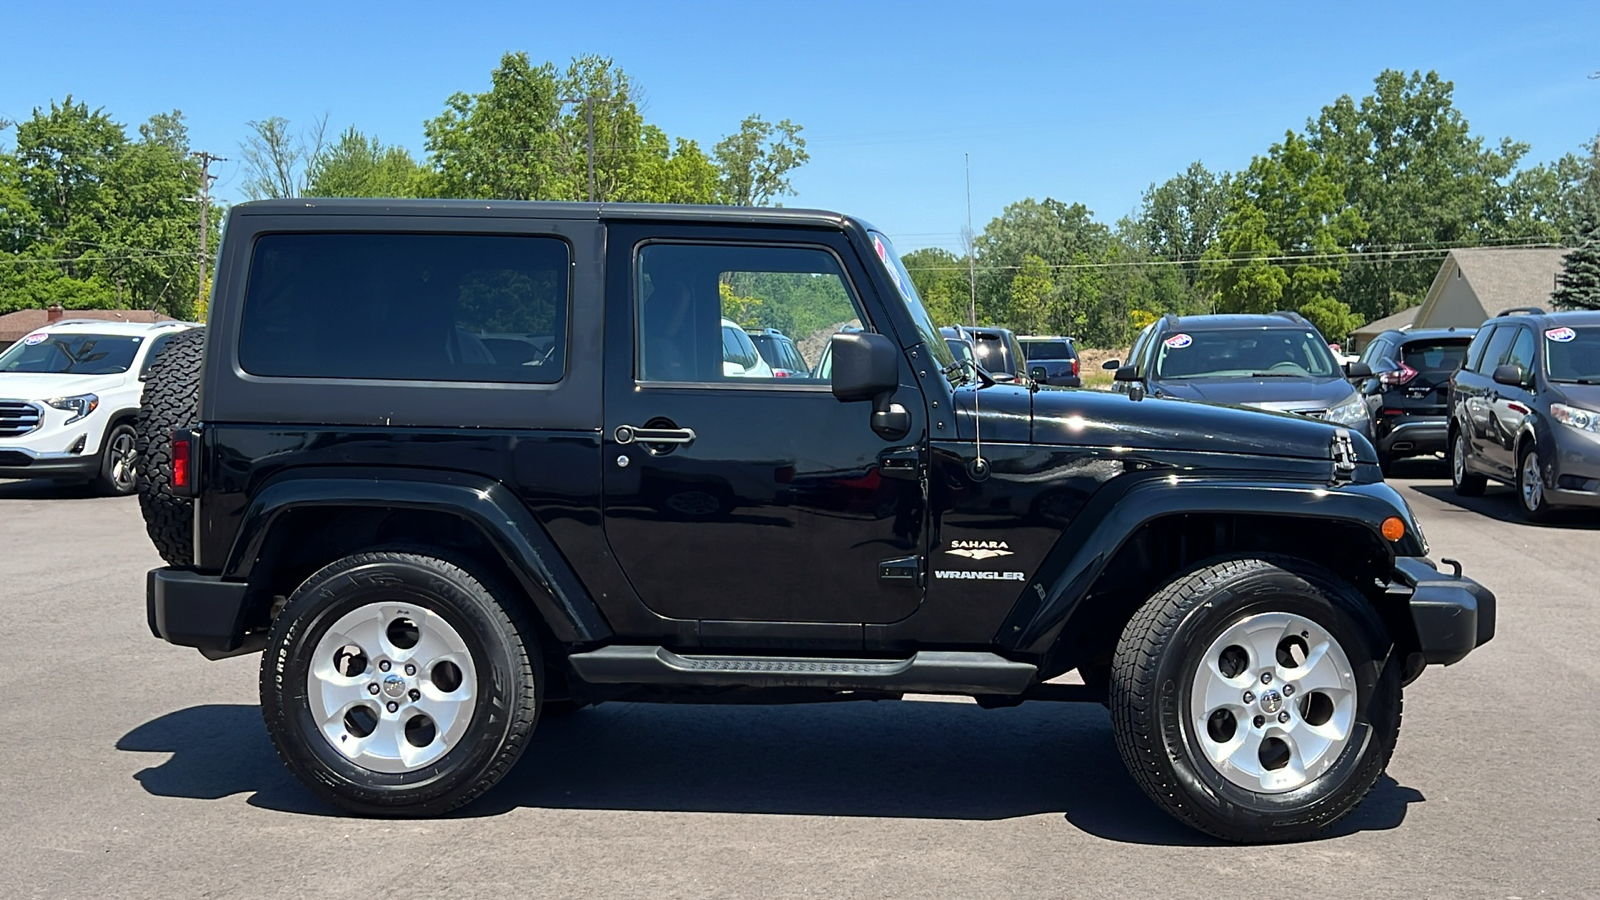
(1048, 350)
(78, 354)
(1573, 354)
(919, 316)
(1245, 353)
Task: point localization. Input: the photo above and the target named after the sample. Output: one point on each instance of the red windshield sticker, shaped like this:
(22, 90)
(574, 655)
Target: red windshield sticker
(1560, 335)
(1178, 341)
(34, 339)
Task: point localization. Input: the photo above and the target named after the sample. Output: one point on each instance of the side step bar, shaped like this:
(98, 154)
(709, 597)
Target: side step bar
(927, 671)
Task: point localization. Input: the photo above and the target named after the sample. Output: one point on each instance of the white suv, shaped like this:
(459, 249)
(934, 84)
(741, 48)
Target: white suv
(68, 396)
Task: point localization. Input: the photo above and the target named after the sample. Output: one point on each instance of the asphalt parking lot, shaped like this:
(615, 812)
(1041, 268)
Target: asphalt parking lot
(135, 769)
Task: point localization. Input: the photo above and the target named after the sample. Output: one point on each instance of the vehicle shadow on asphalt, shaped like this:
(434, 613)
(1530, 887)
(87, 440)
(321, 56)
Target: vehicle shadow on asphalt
(1500, 502)
(45, 489)
(897, 760)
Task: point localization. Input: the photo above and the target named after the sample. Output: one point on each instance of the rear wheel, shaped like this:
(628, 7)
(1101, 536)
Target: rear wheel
(118, 463)
(397, 684)
(1256, 699)
(1534, 503)
(1465, 483)
(170, 402)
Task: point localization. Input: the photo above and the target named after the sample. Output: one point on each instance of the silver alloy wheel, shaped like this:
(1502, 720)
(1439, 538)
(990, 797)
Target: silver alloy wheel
(1458, 459)
(392, 687)
(1273, 702)
(123, 468)
(1532, 482)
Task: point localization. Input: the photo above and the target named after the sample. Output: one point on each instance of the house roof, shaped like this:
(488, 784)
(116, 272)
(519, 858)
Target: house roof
(1399, 320)
(16, 325)
(1500, 277)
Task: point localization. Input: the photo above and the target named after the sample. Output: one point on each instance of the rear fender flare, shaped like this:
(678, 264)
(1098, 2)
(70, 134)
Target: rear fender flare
(556, 592)
(1052, 598)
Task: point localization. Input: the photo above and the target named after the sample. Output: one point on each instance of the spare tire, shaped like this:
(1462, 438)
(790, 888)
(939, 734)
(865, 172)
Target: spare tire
(171, 401)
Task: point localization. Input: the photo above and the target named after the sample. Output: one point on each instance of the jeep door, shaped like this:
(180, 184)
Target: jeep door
(732, 497)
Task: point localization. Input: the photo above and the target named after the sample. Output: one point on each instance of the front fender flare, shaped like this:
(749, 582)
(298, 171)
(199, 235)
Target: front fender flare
(1087, 546)
(554, 588)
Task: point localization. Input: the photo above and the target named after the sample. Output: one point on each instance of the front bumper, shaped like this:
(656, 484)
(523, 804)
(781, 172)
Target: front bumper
(1572, 471)
(200, 611)
(20, 462)
(1453, 615)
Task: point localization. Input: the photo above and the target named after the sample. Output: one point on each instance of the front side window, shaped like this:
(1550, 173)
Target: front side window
(1522, 350)
(697, 300)
(71, 353)
(408, 307)
(1244, 353)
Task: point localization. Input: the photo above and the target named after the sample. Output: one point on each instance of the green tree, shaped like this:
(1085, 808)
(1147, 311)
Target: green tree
(1332, 317)
(277, 161)
(1032, 290)
(361, 166)
(1578, 284)
(673, 174)
(940, 278)
(1413, 170)
(756, 161)
(1179, 218)
(502, 143)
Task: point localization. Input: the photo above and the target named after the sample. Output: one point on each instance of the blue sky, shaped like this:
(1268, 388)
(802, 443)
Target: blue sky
(1080, 102)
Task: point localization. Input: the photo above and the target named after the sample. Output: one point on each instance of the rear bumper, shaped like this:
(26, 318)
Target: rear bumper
(1453, 615)
(1415, 436)
(200, 611)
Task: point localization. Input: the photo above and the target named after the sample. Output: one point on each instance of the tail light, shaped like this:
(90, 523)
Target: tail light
(1399, 376)
(182, 442)
(780, 373)
(1074, 365)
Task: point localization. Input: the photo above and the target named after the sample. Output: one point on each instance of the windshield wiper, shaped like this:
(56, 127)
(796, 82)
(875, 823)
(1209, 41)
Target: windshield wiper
(1276, 375)
(1576, 380)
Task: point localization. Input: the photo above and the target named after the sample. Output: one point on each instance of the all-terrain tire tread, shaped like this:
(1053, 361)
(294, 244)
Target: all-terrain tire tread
(171, 401)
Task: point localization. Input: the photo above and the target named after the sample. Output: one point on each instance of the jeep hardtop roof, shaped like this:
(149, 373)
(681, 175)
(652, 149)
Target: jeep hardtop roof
(544, 209)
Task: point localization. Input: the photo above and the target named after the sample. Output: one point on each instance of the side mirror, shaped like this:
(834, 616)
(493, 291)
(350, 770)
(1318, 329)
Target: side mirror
(864, 366)
(1508, 374)
(1126, 373)
(1357, 369)
(1111, 364)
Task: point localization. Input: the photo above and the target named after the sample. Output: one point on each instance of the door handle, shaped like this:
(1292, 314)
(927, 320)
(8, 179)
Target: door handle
(627, 434)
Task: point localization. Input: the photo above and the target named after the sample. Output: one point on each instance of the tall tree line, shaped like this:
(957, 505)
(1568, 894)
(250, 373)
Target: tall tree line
(1345, 221)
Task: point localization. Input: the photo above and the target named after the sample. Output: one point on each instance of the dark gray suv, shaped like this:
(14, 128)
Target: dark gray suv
(1525, 410)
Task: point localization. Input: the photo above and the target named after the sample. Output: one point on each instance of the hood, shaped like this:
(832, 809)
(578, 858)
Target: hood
(1105, 419)
(47, 386)
(1584, 395)
(1284, 394)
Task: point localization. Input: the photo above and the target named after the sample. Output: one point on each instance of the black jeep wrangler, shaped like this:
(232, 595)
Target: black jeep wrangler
(459, 465)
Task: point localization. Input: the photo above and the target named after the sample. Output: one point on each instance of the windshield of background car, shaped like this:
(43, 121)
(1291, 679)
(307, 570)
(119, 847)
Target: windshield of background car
(1440, 356)
(1048, 350)
(78, 354)
(1244, 353)
(991, 351)
(1572, 354)
(908, 292)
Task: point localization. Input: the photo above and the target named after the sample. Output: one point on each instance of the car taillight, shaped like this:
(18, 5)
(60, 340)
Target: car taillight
(1399, 376)
(780, 373)
(1074, 365)
(180, 460)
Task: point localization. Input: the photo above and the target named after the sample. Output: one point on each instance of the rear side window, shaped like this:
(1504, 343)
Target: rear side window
(1049, 350)
(408, 307)
(1495, 353)
(1522, 350)
(1441, 356)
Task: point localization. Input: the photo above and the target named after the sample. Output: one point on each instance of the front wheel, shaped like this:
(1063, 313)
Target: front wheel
(399, 684)
(1256, 699)
(1535, 505)
(118, 463)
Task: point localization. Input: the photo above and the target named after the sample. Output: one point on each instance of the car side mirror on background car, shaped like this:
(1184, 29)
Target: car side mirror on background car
(1126, 373)
(1357, 370)
(1111, 364)
(1508, 374)
(1038, 373)
(867, 367)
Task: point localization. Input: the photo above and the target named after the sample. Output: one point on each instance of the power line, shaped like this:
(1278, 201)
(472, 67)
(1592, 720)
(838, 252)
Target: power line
(206, 159)
(19, 260)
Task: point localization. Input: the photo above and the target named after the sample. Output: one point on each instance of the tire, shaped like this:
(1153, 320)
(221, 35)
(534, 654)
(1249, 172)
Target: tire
(1532, 495)
(1160, 694)
(171, 401)
(1465, 482)
(118, 463)
(475, 722)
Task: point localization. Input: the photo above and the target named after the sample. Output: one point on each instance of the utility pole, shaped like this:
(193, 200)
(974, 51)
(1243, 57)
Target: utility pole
(206, 159)
(588, 113)
(972, 272)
